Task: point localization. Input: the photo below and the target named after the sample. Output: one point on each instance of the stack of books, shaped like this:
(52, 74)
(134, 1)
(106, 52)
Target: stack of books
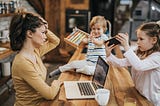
(76, 37)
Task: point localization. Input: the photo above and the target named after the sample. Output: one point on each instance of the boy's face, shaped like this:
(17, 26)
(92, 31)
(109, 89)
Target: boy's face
(97, 30)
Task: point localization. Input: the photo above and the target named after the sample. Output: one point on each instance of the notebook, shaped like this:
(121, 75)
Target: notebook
(86, 89)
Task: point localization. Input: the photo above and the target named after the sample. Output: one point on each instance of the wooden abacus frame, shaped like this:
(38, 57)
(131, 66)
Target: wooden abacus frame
(75, 38)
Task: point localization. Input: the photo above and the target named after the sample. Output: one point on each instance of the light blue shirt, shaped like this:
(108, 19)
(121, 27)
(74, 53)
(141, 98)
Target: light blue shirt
(95, 50)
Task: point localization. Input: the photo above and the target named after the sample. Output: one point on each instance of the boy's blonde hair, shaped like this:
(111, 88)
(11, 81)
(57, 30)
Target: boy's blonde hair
(101, 20)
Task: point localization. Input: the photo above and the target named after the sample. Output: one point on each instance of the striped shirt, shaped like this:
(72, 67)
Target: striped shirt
(95, 50)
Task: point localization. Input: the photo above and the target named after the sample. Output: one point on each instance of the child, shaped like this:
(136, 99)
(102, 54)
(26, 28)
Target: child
(96, 48)
(145, 62)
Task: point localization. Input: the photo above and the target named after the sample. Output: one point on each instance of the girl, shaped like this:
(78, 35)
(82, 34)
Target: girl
(145, 62)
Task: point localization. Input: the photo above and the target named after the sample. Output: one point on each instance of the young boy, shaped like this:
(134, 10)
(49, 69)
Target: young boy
(96, 48)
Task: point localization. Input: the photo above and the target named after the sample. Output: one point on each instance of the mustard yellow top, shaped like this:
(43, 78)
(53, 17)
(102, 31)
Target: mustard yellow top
(29, 78)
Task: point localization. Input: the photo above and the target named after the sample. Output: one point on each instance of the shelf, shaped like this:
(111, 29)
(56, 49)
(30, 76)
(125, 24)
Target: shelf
(7, 44)
(7, 15)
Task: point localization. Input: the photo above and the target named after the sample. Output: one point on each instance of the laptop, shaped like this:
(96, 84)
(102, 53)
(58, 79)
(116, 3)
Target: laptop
(86, 89)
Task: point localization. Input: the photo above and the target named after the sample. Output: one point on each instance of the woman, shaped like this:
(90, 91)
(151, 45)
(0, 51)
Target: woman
(31, 39)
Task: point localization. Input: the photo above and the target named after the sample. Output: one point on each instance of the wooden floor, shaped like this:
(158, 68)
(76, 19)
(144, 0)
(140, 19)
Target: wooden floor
(50, 67)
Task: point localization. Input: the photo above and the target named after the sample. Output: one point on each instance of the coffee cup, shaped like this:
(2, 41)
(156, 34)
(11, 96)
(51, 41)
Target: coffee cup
(102, 96)
(5, 34)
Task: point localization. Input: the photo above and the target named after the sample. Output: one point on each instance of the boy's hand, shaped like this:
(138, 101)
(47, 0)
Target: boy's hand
(85, 40)
(74, 29)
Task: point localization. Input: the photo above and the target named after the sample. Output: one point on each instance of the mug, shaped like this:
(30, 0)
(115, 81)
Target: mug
(5, 34)
(102, 96)
(6, 71)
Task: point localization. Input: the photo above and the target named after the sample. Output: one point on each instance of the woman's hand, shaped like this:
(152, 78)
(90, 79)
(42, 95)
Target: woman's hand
(57, 83)
(124, 39)
(46, 24)
(44, 21)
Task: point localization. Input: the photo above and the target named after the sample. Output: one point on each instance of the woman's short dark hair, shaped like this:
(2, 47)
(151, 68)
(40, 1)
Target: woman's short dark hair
(19, 26)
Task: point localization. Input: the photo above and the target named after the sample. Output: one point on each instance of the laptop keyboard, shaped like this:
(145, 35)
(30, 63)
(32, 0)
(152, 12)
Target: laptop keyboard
(95, 86)
(86, 89)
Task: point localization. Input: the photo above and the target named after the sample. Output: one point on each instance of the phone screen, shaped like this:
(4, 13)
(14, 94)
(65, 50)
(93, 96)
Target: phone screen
(112, 41)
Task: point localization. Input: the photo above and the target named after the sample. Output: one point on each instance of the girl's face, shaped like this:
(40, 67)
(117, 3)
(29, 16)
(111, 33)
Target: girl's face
(97, 30)
(144, 42)
(39, 37)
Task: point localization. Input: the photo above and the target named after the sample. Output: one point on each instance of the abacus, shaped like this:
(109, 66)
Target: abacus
(75, 38)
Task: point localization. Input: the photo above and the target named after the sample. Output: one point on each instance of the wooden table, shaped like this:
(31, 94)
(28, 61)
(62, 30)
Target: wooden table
(118, 81)
(5, 56)
(6, 53)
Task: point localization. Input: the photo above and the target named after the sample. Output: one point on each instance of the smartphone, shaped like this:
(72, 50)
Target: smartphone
(112, 41)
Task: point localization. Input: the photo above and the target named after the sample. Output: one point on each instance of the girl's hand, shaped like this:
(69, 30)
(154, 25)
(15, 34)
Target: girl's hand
(109, 49)
(124, 39)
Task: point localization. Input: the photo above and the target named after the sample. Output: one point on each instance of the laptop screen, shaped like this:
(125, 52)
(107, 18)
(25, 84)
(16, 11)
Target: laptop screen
(101, 71)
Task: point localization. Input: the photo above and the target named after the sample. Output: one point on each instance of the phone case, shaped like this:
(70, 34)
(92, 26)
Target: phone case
(112, 41)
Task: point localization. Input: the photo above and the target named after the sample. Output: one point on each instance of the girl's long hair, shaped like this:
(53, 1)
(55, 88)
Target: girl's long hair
(152, 29)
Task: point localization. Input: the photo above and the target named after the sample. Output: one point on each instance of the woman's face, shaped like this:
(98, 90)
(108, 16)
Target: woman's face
(39, 37)
(97, 30)
(144, 42)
